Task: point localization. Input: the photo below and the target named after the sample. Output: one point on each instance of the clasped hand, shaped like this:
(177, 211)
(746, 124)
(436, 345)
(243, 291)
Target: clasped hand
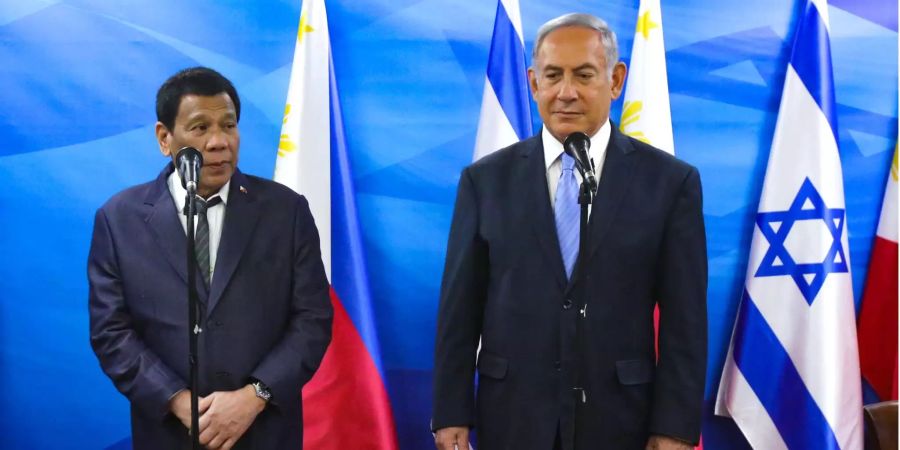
(224, 416)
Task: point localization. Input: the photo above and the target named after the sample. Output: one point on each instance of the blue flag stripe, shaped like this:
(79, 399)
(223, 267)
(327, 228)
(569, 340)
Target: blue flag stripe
(349, 275)
(506, 71)
(811, 59)
(771, 374)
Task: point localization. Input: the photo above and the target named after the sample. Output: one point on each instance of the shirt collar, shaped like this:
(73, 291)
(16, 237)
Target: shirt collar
(179, 192)
(553, 148)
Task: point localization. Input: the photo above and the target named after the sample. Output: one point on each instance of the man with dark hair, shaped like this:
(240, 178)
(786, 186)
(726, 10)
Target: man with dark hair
(197, 81)
(553, 374)
(264, 298)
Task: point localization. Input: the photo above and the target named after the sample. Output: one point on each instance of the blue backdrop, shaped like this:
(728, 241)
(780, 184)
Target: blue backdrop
(77, 86)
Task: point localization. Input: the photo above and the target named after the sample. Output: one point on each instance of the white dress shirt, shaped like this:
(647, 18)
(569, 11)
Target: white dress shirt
(553, 151)
(215, 215)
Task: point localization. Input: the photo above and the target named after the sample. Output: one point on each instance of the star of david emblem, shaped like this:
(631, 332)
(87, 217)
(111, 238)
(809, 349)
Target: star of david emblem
(777, 225)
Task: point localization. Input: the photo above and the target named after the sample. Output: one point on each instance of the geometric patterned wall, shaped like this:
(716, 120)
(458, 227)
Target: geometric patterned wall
(77, 86)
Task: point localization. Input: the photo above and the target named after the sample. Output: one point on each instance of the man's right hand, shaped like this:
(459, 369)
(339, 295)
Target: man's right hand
(180, 405)
(452, 438)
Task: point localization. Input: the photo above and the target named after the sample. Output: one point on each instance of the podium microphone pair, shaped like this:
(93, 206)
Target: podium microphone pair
(189, 161)
(577, 145)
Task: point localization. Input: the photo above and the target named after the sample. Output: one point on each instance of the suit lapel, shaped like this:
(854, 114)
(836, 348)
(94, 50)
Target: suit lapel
(241, 215)
(165, 224)
(618, 170)
(538, 203)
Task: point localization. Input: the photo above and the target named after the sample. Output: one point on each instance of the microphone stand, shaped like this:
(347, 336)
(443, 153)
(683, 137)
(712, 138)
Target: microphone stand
(193, 316)
(585, 198)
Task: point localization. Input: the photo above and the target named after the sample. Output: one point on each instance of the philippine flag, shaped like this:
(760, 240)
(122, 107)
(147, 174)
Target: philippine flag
(345, 405)
(645, 114)
(878, 317)
(791, 378)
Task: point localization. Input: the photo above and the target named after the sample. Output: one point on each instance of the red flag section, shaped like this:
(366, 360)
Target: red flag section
(877, 327)
(878, 321)
(347, 385)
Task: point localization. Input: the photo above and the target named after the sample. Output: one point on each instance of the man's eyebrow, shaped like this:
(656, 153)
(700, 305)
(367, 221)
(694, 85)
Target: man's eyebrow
(585, 66)
(200, 116)
(197, 116)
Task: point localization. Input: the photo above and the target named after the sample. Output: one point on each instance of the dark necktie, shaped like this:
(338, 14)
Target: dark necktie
(201, 238)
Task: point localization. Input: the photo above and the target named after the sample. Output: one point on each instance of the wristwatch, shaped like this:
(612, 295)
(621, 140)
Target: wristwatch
(262, 391)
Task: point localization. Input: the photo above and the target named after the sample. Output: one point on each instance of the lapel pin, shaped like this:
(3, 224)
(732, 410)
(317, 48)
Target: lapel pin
(243, 190)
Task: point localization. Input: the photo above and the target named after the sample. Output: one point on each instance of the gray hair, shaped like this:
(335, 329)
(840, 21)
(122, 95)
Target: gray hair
(607, 35)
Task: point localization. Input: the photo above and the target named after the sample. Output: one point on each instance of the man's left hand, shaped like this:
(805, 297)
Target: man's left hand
(666, 443)
(225, 416)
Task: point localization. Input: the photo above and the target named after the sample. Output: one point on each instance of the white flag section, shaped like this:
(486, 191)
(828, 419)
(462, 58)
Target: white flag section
(646, 115)
(304, 159)
(791, 378)
(505, 110)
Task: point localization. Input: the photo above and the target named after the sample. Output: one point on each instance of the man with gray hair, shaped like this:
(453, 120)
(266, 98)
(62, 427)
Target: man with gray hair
(552, 375)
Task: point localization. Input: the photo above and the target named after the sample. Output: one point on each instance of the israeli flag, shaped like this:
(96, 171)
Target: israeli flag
(791, 379)
(505, 112)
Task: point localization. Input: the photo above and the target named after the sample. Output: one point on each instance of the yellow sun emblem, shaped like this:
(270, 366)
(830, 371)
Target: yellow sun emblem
(285, 144)
(894, 165)
(304, 27)
(631, 114)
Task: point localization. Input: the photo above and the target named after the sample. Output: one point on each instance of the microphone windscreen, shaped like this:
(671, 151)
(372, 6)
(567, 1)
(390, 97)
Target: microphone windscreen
(188, 154)
(577, 140)
(577, 145)
(188, 161)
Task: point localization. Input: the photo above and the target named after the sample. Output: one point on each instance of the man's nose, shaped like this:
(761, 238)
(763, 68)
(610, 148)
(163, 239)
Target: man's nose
(217, 140)
(567, 91)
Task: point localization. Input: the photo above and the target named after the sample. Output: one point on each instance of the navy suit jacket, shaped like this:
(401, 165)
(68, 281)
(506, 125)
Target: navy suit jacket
(505, 284)
(267, 313)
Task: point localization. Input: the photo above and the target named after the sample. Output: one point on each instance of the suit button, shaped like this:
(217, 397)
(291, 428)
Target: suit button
(567, 304)
(223, 374)
(557, 365)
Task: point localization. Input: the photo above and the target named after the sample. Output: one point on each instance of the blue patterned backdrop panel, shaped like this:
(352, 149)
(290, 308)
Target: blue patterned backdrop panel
(77, 87)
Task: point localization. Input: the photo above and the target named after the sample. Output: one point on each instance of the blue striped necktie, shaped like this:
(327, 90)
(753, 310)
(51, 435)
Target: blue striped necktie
(567, 214)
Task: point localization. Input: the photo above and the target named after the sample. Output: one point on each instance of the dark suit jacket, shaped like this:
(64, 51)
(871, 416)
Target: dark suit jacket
(504, 282)
(266, 315)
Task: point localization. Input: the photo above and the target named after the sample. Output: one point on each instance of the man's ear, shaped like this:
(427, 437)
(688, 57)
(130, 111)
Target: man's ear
(532, 82)
(618, 79)
(162, 138)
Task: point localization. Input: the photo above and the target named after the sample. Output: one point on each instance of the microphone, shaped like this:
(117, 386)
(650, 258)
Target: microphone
(188, 161)
(577, 145)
